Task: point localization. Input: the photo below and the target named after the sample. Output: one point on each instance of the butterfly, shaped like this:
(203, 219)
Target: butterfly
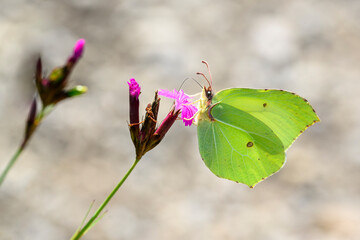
(243, 133)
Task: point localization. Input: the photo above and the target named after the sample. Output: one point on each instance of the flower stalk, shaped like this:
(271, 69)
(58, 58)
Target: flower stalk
(50, 91)
(144, 135)
(89, 224)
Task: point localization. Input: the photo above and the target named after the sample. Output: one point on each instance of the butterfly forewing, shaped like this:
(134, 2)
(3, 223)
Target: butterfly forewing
(287, 114)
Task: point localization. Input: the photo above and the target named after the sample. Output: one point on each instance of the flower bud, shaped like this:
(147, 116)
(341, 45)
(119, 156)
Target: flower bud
(79, 48)
(30, 123)
(57, 76)
(38, 73)
(163, 129)
(76, 91)
(78, 51)
(149, 125)
(134, 88)
(51, 88)
(167, 123)
(134, 92)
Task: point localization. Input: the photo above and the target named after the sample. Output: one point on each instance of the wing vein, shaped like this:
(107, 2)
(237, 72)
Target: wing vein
(217, 159)
(233, 149)
(230, 125)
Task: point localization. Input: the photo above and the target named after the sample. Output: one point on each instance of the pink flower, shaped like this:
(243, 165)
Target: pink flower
(182, 103)
(134, 88)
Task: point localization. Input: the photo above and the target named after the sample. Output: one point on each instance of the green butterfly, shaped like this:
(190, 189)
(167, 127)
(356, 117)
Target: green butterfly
(243, 133)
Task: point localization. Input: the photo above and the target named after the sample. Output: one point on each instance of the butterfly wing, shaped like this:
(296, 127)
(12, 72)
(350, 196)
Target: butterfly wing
(245, 132)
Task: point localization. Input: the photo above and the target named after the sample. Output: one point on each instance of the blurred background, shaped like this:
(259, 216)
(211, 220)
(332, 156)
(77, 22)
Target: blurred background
(83, 148)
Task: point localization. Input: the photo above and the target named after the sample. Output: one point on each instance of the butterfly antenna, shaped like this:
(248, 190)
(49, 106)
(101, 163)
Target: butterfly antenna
(200, 73)
(189, 79)
(208, 68)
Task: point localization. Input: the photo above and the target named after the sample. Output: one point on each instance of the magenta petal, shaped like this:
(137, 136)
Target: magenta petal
(169, 94)
(180, 97)
(134, 88)
(79, 48)
(187, 114)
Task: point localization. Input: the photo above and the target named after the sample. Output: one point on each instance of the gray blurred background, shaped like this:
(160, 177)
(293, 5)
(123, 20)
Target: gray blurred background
(83, 148)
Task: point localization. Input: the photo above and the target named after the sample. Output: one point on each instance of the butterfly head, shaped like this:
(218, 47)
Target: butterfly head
(205, 99)
(208, 93)
(206, 96)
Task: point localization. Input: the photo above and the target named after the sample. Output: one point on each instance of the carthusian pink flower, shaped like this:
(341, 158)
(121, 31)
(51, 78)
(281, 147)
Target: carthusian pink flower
(182, 103)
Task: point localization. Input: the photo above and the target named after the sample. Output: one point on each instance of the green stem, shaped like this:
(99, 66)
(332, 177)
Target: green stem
(89, 224)
(11, 163)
